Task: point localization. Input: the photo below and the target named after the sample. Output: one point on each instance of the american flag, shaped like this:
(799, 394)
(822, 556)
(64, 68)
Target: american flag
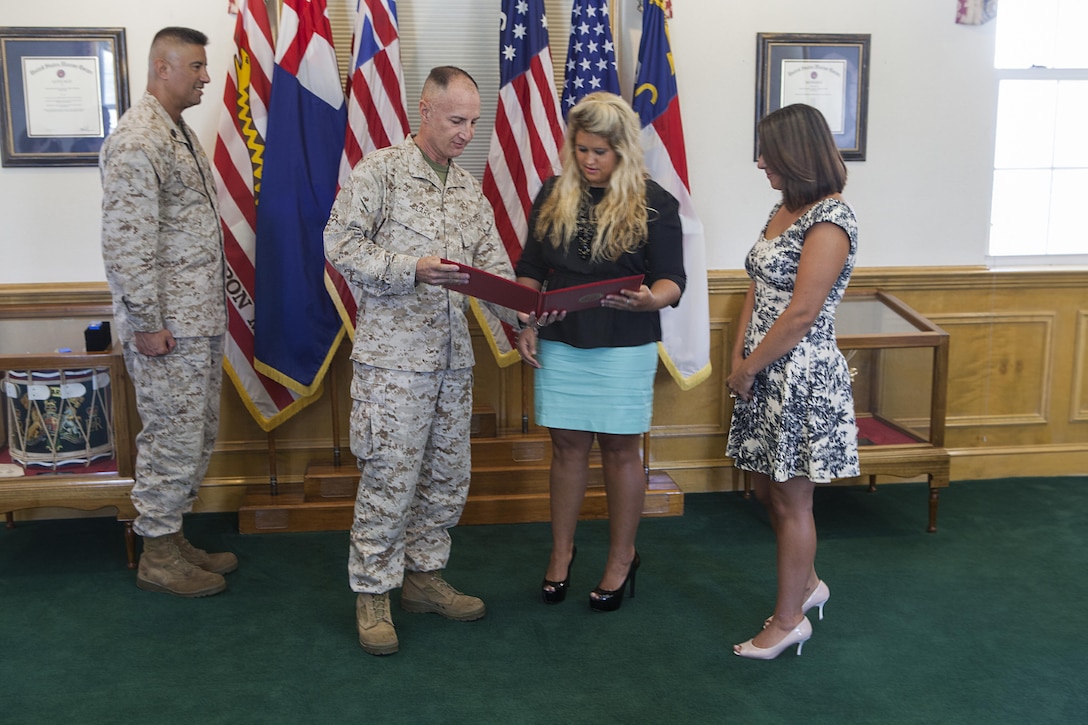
(377, 112)
(685, 329)
(525, 144)
(238, 168)
(591, 54)
(528, 132)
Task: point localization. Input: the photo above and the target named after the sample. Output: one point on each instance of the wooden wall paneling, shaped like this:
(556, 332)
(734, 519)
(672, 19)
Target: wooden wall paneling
(702, 410)
(1002, 368)
(1018, 351)
(690, 426)
(1078, 401)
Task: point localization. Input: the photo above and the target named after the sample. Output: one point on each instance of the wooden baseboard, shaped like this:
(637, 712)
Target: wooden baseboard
(1019, 462)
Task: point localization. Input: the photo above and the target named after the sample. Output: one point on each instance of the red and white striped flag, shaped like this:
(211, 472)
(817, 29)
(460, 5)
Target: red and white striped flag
(238, 167)
(377, 112)
(528, 135)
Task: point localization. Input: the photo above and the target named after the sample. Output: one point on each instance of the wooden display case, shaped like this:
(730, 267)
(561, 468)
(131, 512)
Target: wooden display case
(899, 367)
(899, 364)
(66, 438)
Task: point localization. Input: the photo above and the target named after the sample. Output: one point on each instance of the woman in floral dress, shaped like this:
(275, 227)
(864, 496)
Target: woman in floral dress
(793, 416)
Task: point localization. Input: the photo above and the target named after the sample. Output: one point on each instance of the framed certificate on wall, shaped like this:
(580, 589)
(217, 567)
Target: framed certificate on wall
(62, 91)
(828, 72)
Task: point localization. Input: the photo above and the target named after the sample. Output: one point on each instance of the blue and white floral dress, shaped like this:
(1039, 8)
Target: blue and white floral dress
(800, 420)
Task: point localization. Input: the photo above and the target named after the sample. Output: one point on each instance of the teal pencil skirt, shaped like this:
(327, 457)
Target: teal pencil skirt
(603, 390)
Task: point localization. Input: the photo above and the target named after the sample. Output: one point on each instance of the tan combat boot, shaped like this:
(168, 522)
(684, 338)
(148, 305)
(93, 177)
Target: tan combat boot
(164, 569)
(375, 624)
(218, 563)
(427, 591)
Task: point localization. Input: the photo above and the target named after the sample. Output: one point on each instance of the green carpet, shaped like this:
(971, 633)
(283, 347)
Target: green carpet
(982, 622)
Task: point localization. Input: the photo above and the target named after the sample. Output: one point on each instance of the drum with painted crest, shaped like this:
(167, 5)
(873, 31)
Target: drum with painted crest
(59, 417)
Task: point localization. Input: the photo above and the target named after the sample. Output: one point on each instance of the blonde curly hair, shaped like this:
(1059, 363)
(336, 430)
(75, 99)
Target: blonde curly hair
(621, 217)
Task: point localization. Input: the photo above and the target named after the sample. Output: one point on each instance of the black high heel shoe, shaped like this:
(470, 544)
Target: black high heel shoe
(609, 600)
(558, 591)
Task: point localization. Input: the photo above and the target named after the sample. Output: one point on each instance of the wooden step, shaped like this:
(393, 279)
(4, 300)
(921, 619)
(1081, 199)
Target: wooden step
(263, 513)
(323, 482)
(510, 474)
(484, 422)
(504, 451)
(512, 450)
(663, 498)
(327, 482)
(289, 510)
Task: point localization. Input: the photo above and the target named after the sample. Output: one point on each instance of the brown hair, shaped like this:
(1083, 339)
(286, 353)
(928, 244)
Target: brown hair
(796, 144)
(441, 76)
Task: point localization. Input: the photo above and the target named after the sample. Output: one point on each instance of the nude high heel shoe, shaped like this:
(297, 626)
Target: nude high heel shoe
(818, 598)
(797, 636)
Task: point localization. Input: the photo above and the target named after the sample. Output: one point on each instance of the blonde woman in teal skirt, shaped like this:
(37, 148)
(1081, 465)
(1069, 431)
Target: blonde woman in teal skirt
(601, 218)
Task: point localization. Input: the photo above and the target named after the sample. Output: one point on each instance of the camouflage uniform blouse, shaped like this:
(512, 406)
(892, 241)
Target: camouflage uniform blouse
(391, 212)
(161, 239)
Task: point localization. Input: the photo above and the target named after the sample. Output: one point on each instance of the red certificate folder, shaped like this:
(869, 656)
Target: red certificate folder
(501, 291)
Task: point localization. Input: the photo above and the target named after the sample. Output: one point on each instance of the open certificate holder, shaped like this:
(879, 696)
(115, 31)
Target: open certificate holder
(493, 288)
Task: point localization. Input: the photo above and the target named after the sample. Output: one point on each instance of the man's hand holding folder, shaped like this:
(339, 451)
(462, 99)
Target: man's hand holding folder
(498, 290)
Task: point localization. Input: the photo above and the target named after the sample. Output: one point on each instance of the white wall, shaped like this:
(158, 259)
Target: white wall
(50, 228)
(922, 195)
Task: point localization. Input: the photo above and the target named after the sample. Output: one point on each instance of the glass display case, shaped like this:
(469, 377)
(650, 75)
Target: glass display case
(66, 441)
(899, 367)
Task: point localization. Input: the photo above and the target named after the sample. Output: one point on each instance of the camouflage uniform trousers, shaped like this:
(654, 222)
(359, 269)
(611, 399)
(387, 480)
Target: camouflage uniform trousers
(410, 434)
(177, 396)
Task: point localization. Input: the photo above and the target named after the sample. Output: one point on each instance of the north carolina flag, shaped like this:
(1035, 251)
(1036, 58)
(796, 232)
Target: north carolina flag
(591, 54)
(377, 113)
(238, 165)
(685, 329)
(525, 144)
(297, 325)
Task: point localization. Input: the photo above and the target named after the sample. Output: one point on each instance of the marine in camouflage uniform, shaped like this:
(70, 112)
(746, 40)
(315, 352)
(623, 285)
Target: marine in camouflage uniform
(412, 356)
(162, 245)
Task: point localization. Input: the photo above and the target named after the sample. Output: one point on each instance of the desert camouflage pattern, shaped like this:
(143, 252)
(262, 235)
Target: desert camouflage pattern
(391, 212)
(161, 239)
(163, 250)
(177, 396)
(412, 385)
(410, 434)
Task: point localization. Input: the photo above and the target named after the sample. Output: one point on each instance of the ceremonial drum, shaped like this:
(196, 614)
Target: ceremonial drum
(59, 417)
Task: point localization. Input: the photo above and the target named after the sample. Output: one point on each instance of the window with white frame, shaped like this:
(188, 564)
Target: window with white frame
(1041, 150)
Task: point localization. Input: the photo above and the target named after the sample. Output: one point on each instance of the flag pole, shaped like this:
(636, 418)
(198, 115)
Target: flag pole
(526, 373)
(646, 456)
(272, 483)
(334, 407)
